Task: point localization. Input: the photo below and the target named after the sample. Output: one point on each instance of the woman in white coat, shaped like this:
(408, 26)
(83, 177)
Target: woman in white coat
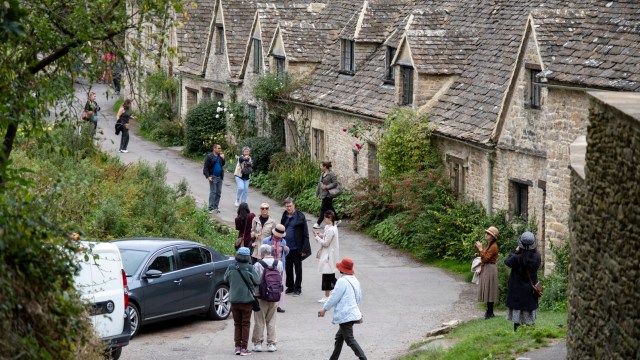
(328, 254)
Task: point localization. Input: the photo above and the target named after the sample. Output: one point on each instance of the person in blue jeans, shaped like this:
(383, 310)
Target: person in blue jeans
(243, 171)
(214, 172)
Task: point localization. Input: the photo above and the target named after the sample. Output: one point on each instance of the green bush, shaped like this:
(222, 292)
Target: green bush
(262, 148)
(205, 125)
(41, 315)
(556, 285)
(160, 123)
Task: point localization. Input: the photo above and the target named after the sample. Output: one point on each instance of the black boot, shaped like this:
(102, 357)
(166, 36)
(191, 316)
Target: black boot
(489, 314)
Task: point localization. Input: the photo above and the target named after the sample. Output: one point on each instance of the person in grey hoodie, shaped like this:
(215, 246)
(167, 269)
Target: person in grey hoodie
(345, 297)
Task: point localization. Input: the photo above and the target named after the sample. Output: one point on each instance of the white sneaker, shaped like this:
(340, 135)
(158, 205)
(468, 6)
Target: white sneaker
(271, 347)
(323, 300)
(237, 203)
(316, 226)
(257, 347)
(124, 151)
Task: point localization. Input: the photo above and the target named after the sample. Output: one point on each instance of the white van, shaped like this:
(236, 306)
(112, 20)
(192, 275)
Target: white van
(102, 284)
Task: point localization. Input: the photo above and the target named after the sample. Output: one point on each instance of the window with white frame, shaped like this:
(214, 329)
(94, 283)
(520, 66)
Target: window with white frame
(348, 61)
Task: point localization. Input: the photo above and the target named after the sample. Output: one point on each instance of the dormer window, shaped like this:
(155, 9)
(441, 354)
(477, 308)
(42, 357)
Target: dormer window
(219, 39)
(533, 96)
(257, 56)
(407, 85)
(390, 75)
(279, 65)
(348, 62)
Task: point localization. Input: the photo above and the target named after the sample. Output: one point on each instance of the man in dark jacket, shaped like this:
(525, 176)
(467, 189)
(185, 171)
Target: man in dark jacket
(214, 172)
(297, 235)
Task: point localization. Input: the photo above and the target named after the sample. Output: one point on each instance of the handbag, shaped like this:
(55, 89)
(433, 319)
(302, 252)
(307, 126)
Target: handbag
(537, 288)
(333, 192)
(256, 303)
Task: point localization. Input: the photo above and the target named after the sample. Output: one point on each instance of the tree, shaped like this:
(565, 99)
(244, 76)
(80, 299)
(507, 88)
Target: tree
(48, 43)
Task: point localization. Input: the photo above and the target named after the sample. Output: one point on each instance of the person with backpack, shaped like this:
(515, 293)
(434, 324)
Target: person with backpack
(270, 289)
(279, 248)
(122, 124)
(243, 171)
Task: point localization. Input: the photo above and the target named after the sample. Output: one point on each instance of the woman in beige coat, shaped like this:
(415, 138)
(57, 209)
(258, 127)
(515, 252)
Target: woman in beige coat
(261, 228)
(328, 253)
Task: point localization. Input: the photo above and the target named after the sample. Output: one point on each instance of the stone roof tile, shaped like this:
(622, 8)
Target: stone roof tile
(592, 48)
(194, 36)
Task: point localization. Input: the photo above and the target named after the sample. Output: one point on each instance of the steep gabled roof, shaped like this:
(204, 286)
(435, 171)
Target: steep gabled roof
(193, 37)
(238, 19)
(599, 48)
(437, 48)
(440, 52)
(471, 107)
(304, 41)
(374, 21)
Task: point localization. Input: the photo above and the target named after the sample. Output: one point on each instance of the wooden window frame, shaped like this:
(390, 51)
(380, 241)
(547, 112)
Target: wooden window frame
(257, 56)
(457, 174)
(280, 65)
(407, 85)
(347, 57)
(390, 76)
(520, 198)
(318, 143)
(220, 39)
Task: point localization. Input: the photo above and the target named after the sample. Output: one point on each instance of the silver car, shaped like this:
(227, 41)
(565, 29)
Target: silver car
(170, 278)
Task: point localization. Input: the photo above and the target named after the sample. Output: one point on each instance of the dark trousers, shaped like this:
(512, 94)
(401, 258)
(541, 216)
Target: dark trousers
(294, 261)
(116, 83)
(124, 140)
(241, 323)
(345, 334)
(327, 204)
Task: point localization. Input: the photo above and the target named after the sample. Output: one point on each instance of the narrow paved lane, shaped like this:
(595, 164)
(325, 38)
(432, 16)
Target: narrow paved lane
(402, 297)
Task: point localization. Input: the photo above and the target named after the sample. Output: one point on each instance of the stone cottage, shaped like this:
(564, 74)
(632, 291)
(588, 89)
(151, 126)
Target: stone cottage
(503, 82)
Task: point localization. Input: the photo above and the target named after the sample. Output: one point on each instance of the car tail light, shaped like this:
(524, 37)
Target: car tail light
(126, 290)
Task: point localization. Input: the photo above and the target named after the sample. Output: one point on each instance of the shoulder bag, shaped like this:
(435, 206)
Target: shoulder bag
(336, 190)
(256, 304)
(354, 295)
(538, 289)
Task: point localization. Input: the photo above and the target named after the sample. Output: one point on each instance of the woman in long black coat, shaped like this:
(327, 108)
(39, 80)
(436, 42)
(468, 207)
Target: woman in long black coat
(522, 304)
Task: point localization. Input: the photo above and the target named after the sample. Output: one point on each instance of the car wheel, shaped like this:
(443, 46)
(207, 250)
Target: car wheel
(134, 316)
(220, 307)
(114, 354)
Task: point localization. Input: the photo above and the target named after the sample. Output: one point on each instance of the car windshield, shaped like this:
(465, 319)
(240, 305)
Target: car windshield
(131, 260)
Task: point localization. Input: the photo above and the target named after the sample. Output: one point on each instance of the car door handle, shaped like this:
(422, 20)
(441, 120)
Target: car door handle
(209, 274)
(177, 282)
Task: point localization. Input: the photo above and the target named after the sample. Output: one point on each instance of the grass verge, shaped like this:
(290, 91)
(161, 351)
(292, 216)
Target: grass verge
(495, 339)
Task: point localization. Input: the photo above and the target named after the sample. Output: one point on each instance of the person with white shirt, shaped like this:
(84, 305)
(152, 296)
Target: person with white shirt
(328, 253)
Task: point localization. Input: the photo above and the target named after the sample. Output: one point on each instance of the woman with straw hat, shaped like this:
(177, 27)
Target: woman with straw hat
(488, 291)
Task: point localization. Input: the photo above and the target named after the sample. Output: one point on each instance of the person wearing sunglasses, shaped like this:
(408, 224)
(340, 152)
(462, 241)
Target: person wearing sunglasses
(261, 228)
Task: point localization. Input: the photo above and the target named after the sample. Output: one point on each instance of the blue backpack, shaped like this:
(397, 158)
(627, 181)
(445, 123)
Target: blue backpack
(271, 284)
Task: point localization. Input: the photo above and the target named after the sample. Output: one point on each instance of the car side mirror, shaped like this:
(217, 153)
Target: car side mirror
(152, 274)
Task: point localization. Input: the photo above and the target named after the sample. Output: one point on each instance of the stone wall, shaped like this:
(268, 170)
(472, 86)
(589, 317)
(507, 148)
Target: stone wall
(475, 164)
(604, 311)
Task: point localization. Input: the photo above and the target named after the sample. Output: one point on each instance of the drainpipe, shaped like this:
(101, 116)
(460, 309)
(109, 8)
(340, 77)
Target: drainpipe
(490, 154)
